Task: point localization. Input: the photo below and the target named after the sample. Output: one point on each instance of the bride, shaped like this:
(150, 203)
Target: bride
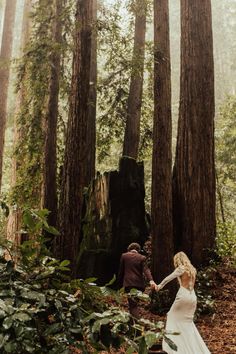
(180, 316)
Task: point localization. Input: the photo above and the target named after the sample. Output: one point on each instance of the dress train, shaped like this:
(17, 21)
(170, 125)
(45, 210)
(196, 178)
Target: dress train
(180, 319)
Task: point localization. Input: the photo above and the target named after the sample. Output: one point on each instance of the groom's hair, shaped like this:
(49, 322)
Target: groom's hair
(134, 246)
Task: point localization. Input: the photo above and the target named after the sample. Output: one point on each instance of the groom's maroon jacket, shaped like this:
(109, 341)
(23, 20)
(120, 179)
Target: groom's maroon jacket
(132, 270)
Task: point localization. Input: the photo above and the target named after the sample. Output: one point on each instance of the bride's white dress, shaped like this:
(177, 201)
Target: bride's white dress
(180, 319)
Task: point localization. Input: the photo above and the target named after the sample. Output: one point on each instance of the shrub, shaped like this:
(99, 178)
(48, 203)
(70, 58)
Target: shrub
(226, 240)
(39, 313)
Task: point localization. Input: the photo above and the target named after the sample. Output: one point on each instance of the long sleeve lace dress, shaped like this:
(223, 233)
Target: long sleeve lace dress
(180, 317)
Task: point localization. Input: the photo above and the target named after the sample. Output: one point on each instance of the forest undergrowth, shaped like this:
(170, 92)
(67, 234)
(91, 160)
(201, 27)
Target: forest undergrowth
(216, 328)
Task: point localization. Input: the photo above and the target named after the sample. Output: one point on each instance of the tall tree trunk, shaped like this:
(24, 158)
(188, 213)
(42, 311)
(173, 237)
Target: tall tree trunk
(194, 170)
(91, 126)
(5, 56)
(14, 220)
(134, 104)
(49, 187)
(162, 233)
(77, 145)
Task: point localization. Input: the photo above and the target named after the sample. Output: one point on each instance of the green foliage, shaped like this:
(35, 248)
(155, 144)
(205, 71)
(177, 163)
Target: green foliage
(226, 240)
(139, 295)
(34, 225)
(89, 294)
(224, 27)
(36, 220)
(112, 328)
(37, 314)
(160, 301)
(32, 247)
(33, 78)
(36, 317)
(4, 207)
(226, 138)
(226, 180)
(226, 160)
(34, 72)
(204, 283)
(113, 83)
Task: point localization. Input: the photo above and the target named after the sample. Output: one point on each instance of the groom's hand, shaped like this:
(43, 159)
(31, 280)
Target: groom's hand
(153, 285)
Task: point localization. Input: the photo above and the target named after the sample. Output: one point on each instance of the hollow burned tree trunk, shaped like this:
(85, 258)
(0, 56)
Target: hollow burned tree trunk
(114, 216)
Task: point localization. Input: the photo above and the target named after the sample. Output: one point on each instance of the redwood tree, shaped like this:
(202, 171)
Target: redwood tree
(194, 170)
(91, 126)
(49, 187)
(77, 144)
(162, 237)
(134, 104)
(5, 57)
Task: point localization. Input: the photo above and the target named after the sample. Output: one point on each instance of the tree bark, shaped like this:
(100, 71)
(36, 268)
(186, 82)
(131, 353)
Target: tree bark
(91, 127)
(5, 56)
(77, 147)
(49, 187)
(113, 217)
(162, 232)
(194, 170)
(134, 104)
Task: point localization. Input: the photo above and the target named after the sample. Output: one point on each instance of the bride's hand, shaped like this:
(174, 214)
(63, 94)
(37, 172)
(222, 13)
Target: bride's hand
(154, 286)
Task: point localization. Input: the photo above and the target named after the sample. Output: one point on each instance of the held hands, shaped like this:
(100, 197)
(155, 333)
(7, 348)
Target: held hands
(153, 285)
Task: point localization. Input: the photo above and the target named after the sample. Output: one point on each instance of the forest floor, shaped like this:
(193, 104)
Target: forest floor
(217, 329)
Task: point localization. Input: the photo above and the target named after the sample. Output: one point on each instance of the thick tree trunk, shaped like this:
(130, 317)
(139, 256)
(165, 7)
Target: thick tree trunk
(113, 217)
(49, 187)
(132, 129)
(91, 126)
(77, 146)
(5, 57)
(14, 220)
(194, 170)
(162, 233)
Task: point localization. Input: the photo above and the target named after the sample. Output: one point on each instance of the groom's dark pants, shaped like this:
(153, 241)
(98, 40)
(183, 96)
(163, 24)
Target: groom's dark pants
(133, 301)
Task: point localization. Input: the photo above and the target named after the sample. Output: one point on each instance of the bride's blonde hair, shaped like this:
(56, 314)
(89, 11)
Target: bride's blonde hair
(181, 259)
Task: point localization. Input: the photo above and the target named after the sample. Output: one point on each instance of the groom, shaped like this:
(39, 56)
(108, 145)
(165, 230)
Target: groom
(132, 274)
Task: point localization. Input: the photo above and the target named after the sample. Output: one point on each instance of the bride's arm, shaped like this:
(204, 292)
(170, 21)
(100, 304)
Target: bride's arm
(175, 274)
